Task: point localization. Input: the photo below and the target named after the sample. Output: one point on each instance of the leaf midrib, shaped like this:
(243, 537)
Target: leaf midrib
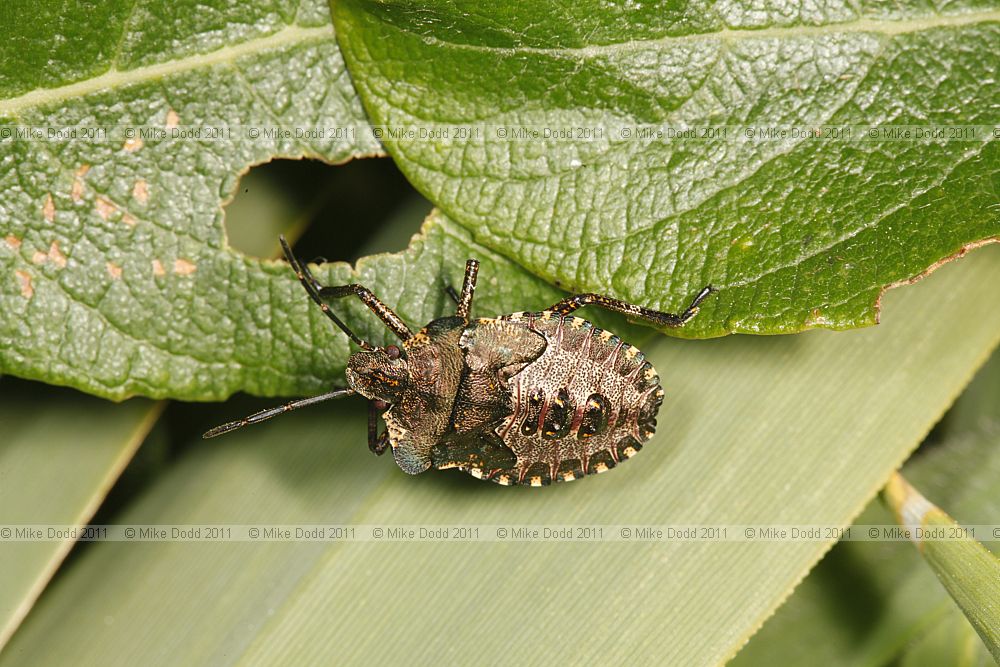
(115, 78)
(882, 27)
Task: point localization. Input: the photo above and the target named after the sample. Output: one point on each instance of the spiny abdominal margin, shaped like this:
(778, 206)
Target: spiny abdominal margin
(539, 473)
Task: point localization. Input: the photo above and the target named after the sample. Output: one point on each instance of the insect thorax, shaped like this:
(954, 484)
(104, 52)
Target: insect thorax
(422, 414)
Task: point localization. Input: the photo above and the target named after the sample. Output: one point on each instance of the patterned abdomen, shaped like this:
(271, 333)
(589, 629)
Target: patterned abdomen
(589, 401)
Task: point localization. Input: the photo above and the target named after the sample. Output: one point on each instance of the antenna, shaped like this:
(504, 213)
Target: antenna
(264, 415)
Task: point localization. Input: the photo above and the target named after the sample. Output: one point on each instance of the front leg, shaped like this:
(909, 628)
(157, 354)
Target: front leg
(377, 442)
(313, 289)
(384, 313)
(468, 289)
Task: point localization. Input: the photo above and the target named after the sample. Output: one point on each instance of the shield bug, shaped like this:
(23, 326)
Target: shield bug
(524, 398)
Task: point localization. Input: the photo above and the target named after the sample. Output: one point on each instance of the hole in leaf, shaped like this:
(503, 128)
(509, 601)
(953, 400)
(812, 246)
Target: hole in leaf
(339, 212)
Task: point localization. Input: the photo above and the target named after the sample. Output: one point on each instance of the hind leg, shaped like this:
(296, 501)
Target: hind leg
(572, 303)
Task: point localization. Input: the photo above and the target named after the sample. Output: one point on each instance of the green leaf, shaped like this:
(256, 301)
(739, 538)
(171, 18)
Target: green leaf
(59, 456)
(795, 233)
(115, 277)
(870, 603)
(969, 572)
(759, 430)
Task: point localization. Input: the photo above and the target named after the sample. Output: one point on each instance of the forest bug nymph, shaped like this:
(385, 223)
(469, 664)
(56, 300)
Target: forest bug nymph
(524, 398)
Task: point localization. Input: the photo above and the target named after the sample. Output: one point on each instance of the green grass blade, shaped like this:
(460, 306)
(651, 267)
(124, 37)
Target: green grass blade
(969, 572)
(950, 641)
(59, 455)
(876, 603)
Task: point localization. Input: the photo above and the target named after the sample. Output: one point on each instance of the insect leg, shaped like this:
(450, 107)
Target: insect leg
(468, 289)
(452, 294)
(382, 444)
(264, 415)
(313, 288)
(384, 313)
(377, 442)
(569, 304)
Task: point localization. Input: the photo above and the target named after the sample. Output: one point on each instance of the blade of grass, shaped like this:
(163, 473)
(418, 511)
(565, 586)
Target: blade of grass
(951, 641)
(61, 451)
(873, 603)
(969, 572)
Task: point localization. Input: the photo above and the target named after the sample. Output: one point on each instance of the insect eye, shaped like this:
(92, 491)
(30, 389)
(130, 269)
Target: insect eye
(392, 352)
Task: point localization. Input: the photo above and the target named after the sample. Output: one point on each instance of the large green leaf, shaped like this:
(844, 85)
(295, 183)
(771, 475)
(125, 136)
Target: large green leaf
(59, 455)
(795, 233)
(115, 277)
(756, 430)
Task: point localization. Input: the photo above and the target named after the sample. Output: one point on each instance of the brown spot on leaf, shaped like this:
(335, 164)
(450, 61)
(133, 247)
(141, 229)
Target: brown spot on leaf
(78, 185)
(140, 191)
(104, 208)
(24, 279)
(39, 257)
(114, 271)
(173, 120)
(133, 144)
(158, 268)
(13, 242)
(56, 255)
(49, 208)
(182, 267)
(128, 220)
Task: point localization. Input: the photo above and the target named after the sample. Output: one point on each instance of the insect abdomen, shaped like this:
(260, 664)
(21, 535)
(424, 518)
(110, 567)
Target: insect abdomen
(589, 401)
